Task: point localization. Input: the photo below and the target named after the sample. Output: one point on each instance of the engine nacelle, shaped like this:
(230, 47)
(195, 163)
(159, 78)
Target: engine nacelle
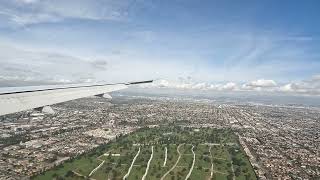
(105, 95)
(45, 109)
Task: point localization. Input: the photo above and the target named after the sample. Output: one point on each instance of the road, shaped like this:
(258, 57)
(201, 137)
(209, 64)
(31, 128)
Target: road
(148, 165)
(95, 169)
(134, 159)
(174, 164)
(211, 170)
(193, 162)
(165, 157)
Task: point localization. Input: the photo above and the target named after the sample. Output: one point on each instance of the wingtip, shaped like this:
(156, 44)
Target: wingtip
(140, 82)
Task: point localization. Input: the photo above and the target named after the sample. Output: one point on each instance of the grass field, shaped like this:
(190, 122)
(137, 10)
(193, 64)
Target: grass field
(217, 156)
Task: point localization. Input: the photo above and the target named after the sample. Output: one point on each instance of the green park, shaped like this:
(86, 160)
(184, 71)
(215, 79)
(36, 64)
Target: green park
(165, 153)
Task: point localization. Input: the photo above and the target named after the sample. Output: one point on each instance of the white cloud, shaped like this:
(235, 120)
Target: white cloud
(230, 86)
(163, 83)
(200, 86)
(28, 1)
(260, 85)
(307, 87)
(316, 77)
(263, 83)
(181, 84)
(25, 12)
(26, 65)
(287, 88)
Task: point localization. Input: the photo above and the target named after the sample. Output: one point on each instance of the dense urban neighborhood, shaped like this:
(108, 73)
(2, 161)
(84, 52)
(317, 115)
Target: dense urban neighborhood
(279, 142)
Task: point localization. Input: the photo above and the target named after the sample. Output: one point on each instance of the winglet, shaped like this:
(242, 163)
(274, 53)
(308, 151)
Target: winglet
(139, 82)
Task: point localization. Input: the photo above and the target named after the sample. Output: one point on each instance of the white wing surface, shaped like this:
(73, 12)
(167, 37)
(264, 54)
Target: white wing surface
(14, 101)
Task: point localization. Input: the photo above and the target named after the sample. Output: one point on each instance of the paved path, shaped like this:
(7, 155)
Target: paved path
(234, 176)
(148, 165)
(95, 169)
(174, 164)
(78, 174)
(217, 144)
(220, 172)
(220, 158)
(165, 157)
(193, 162)
(129, 170)
(211, 170)
(135, 165)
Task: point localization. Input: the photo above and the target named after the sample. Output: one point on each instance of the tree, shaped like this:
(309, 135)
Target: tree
(54, 175)
(184, 169)
(69, 173)
(237, 172)
(230, 177)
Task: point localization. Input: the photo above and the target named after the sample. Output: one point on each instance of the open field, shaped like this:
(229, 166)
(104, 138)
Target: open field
(195, 153)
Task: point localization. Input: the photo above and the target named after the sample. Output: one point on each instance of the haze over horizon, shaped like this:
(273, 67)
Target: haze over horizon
(254, 46)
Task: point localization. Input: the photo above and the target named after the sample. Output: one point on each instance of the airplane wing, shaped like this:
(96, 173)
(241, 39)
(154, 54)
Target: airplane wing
(12, 101)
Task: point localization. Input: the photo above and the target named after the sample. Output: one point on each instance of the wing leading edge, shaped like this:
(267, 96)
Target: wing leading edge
(16, 101)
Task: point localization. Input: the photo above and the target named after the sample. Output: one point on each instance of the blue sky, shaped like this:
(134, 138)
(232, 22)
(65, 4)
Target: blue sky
(186, 43)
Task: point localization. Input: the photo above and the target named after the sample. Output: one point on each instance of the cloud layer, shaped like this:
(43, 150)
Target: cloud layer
(307, 87)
